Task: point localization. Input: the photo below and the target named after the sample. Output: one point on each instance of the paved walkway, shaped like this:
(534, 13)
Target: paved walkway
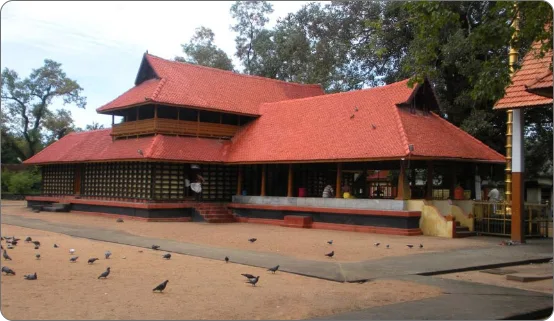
(462, 300)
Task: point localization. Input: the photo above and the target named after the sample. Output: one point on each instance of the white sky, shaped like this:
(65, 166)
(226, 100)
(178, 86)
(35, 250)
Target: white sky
(100, 44)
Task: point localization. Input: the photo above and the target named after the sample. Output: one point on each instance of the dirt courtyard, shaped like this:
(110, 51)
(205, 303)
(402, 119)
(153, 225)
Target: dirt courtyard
(198, 288)
(301, 243)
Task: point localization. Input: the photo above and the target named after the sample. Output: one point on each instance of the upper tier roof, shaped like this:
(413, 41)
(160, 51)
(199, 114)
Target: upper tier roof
(535, 73)
(357, 125)
(182, 84)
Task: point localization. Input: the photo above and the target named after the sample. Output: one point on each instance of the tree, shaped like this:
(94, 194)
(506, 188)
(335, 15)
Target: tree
(94, 126)
(201, 51)
(27, 101)
(251, 17)
(58, 124)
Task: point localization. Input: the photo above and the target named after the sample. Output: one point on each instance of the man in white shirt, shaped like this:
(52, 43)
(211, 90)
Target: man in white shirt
(494, 196)
(328, 191)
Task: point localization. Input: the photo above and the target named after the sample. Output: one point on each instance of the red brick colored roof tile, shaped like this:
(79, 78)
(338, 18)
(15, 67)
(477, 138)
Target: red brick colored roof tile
(358, 125)
(534, 73)
(186, 84)
(329, 128)
(97, 145)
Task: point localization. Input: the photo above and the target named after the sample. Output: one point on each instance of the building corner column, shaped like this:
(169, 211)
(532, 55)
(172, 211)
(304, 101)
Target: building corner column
(404, 192)
(518, 171)
(338, 186)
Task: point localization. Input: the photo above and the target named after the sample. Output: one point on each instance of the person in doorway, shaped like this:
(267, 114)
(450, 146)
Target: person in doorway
(196, 186)
(494, 196)
(328, 191)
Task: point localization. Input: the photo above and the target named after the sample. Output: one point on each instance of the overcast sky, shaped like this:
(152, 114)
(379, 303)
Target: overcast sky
(100, 44)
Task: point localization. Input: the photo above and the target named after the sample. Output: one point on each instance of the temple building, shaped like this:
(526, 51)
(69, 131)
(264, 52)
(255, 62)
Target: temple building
(266, 150)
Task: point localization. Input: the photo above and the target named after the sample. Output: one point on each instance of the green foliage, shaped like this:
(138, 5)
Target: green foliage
(201, 51)
(251, 17)
(24, 182)
(94, 126)
(26, 104)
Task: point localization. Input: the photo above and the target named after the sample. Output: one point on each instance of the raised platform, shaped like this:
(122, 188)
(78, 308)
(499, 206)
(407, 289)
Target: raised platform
(152, 212)
(399, 222)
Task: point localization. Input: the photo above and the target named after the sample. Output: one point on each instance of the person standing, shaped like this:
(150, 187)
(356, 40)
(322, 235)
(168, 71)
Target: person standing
(328, 191)
(494, 196)
(196, 186)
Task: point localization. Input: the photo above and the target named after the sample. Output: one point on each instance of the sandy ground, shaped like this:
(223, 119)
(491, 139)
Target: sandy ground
(301, 243)
(198, 288)
(544, 286)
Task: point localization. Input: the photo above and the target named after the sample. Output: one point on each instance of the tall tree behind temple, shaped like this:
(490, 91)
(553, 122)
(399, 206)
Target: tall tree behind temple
(251, 17)
(201, 51)
(26, 103)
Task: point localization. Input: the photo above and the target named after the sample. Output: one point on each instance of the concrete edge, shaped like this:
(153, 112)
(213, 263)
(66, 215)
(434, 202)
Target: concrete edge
(486, 266)
(541, 314)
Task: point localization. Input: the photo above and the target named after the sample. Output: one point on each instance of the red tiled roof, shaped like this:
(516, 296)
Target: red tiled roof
(320, 128)
(534, 72)
(193, 85)
(97, 145)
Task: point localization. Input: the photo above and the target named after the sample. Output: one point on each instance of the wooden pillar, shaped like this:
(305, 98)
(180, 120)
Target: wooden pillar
(113, 119)
(429, 193)
(155, 111)
(77, 181)
(178, 113)
(264, 167)
(155, 119)
(404, 192)
(239, 181)
(339, 181)
(452, 171)
(289, 187)
(518, 171)
(197, 123)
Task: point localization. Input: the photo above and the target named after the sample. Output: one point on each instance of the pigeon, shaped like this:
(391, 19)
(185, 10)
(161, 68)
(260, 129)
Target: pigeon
(388, 247)
(274, 269)
(6, 256)
(248, 276)
(36, 243)
(107, 254)
(330, 242)
(56, 246)
(253, 281)
(10, 247)
(409, 245)
(36, 247)
(119, 220)
(376, 244)
(14, 242)
(420, 246)
(30, 276)
(167, 256)
(155, 247)
(15, 239)
(105, 274)
(71, 251)
(28, 239)
(91, 260)
(37, 256)
(330, 254)
(161, 287)
(73, 259)
(252, 240)
(226, 259)
(7, 270)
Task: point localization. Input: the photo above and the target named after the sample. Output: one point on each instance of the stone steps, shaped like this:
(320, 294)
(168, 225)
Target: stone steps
(215, 213)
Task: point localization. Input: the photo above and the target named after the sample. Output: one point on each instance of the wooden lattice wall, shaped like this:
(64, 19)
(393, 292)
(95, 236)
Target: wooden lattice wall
(317, 182)
(221, 182)
(58, 179)
(169, 181)
(131, 180)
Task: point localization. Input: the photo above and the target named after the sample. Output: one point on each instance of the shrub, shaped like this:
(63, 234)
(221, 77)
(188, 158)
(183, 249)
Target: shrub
(24, 182)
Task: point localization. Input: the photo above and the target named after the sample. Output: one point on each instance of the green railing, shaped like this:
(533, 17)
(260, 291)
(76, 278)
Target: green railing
(494, 218)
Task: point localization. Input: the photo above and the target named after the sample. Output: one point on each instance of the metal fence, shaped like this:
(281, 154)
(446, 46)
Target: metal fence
(494, 218)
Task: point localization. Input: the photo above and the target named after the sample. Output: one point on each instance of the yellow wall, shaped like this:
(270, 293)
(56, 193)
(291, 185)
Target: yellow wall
(432, 223)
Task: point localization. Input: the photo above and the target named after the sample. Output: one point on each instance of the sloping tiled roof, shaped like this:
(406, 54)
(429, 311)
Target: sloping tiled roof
(186, 84)
(329, 128)
(534, 73)
(97, 145)
(357, 125)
